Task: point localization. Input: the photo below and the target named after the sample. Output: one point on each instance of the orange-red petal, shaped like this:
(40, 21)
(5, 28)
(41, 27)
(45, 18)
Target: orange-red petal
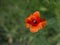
(43, 22)
(36, 14)
(27, 25)
(34, 29)
(29, 18)
(40, 26)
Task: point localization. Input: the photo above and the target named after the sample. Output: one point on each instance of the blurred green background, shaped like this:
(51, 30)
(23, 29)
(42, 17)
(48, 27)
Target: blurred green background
(12, 22)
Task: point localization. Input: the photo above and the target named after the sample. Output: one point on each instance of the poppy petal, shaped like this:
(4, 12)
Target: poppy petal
(43, 22)
(36, 14)
(27, 25)
(30, 17)
(28, 20)
(40, 26)
(34, 29)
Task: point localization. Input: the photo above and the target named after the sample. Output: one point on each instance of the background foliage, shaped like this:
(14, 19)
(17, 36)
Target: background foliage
(12, 22)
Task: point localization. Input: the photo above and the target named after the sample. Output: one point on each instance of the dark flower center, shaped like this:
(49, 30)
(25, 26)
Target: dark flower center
(35, 21)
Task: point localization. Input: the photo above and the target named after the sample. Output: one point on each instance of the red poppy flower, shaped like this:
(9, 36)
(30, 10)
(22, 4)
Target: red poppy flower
(35, 22)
